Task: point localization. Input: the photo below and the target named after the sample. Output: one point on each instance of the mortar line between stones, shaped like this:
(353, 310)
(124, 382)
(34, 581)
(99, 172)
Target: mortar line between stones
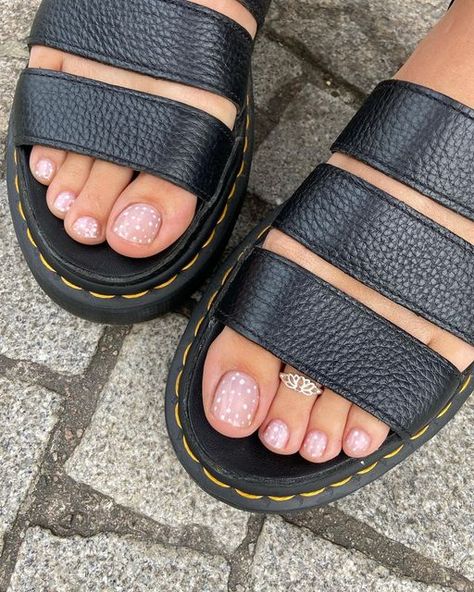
(351, 534)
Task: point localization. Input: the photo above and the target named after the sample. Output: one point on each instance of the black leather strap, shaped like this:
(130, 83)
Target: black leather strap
(132, 129)
(335, 340)
(258, 8)
(385, 244)
(171, 39)
(418, 136)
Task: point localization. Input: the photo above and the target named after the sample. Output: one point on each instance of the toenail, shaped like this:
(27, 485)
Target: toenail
(45, 169)
(276, 434)
(358, 441)
(315, 444)
(64, 201)
(138, 224)
(236, 399)
(86, 227)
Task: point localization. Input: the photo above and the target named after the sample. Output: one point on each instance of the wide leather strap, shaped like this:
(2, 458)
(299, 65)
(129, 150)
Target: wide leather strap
(258, 8)
(419, 137)
(143, 132)
(171, 39)
(385, 244)
(335, 340)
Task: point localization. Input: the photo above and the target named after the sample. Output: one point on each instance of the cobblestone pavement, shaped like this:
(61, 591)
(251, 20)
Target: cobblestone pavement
(91, 496)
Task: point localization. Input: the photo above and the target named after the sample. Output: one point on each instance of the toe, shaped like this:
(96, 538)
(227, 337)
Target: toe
(285, 425)
(324, 434)
(45, 163)
(68, 183)
(149, 216)
(363, 433)
(239, 383)
(86, 220)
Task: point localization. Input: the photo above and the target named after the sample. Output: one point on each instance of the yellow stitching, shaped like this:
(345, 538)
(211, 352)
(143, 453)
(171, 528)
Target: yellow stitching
(213, 297)
(191, 263)
(176, 416)
(169, 282)
(226, 275)
(394, 452)
(263, 232)
(28, 234)
(313, 493)
(419, 433)
(465, 385)
(188, 450)
(281, 499)
(134, 296)
(46, 264)
(445, 410)
(103, 296)
(341, 483)
(166, 284)
(185, 355)
(214, 480)
(224, 214)
(70, 284)
(248, 495)
(367, 469)
(178, 382)
(196, 330)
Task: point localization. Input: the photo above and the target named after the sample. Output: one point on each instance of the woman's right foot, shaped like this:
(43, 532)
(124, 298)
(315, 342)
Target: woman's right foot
(101, 201)
(241, 386)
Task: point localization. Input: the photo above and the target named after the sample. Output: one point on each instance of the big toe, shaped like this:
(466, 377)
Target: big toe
(239, 383)
(149, 216)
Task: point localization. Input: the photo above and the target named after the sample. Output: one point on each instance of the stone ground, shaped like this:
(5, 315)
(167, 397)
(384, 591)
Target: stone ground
(91, 496)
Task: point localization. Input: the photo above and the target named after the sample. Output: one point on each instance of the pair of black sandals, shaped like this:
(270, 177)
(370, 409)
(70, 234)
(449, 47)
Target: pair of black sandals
(413, 134)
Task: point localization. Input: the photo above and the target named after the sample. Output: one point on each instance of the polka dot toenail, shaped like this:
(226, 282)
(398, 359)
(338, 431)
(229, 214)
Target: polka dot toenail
(357, 441)
(236, 399)
(276, 434)
(315, 444)
(86, 227)
(64, 201)
(45, 169)
(138, 224)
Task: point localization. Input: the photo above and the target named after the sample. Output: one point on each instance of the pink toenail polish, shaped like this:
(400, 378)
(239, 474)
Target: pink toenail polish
(138, 224)
(64, 201)
(358, 441)
(45, 169)
(236, 399)
(86, 227)
(276, 434)
(315, 444)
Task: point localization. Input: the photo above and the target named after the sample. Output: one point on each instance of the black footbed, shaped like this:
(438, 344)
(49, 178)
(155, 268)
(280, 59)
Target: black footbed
(242, 472)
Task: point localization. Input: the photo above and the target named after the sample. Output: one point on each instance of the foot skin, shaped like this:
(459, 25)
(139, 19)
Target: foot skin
(100, 201)
(241, 387)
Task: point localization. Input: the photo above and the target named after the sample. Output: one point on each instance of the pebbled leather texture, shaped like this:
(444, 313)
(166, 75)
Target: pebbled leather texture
(258, 8)
(337, 341)
(385, 244)
(170, 39)
(146, 133)
(419, 137)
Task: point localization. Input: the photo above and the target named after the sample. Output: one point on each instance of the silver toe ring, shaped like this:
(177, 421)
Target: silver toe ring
(301, 384)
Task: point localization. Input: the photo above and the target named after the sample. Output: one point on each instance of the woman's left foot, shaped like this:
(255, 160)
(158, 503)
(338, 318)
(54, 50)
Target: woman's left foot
(241, 385)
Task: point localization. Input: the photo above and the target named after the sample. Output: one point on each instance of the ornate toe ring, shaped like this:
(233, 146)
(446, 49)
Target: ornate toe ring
(301, 384)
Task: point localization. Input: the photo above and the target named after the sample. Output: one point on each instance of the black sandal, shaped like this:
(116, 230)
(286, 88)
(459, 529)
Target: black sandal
(146, 133)
(425, 140)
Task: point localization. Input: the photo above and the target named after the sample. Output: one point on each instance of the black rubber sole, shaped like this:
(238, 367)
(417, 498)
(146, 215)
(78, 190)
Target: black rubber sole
(128, 308)
(343, 481)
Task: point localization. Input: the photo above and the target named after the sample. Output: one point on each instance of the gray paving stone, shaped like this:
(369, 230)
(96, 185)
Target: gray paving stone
(362, 41)
(288, 557)
(27, 416)
(273, 67)
(32, 327)
(300, 141)
(126, 453)
(426, 503)
(107, 563)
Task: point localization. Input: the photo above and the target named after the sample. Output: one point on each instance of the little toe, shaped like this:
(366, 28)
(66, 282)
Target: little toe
(239, 383)
(68, 183)
(149, 216)
(45, 163)
(363, 433)
(285, 425)
(87, 218)
(323, 439)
